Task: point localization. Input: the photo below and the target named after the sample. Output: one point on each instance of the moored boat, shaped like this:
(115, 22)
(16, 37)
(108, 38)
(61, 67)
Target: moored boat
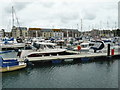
(11, 65)
(42, 49)
(11, 43)
(85, 46)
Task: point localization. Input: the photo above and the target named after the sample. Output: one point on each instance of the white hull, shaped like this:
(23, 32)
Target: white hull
(82, 49)
(17, 45)
(26, 53)
(13, 68)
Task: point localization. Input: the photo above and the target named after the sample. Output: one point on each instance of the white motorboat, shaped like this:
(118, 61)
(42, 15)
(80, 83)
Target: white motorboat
(41, 49)
(11, 44)
(85, 46)
(99, 46)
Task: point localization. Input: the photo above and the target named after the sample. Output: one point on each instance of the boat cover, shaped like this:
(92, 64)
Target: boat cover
(6, 63)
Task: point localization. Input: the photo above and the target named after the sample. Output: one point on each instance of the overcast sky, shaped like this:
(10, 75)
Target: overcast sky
(101, 14)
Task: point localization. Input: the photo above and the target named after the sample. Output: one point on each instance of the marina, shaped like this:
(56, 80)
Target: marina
(97, 74)
(59, 44)
(39, 51)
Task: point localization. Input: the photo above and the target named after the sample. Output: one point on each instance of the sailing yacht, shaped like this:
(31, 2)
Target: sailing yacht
(11, 43)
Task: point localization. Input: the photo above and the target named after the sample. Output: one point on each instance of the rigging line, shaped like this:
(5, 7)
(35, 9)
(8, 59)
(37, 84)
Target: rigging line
(12, 3)
(16, 17)
(14, 13)
(17, 22)
(12, 17)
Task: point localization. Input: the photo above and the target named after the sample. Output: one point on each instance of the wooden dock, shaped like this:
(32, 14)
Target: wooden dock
(62, 57)
(76, 55)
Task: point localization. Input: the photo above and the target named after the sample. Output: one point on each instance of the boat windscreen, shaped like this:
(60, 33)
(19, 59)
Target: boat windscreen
(36, 45)
(84, 46)
(97, 44)
(50, 46)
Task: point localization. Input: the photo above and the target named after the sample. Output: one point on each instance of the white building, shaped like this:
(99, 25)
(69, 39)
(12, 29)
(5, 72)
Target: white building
(57, 33)
(19, 32)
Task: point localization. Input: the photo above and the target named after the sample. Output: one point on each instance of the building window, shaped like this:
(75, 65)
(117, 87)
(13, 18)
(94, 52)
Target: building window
(44, 34)
(50, 34)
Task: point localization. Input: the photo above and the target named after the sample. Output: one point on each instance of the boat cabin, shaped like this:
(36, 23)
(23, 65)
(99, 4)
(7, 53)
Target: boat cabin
(44, 45)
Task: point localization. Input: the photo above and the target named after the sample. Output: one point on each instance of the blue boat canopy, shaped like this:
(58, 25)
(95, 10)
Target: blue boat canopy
(6, 63)
(10, 39)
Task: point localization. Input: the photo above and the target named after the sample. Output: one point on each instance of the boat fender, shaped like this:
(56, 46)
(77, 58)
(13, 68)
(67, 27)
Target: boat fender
(28, 62)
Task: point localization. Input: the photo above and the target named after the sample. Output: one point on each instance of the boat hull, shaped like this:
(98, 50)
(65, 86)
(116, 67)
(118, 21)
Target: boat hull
(12, 68)
(46, 54)
(12, 46)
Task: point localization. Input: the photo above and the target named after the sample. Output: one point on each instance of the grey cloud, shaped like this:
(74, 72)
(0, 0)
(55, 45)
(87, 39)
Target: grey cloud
(47, 4)
(89, 15)
(66, 18)
(69, 16)
(21, 5)
(8, 10)
(17, 6)
(108, 6)
(62, 13)
(64, 21)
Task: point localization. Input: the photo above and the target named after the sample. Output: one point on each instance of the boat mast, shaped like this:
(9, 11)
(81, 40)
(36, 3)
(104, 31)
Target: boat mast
(81, 27)
(12, 16)
(115, 29)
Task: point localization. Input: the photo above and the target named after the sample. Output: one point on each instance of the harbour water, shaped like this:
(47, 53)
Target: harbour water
(100, 74)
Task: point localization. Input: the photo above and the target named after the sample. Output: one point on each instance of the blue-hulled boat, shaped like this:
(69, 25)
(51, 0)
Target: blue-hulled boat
(10, 65)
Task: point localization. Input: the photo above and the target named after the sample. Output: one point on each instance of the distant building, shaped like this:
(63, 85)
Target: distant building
(102, 33)
(95, 33)
(2, 33)
(45, 33)
(34, 32)
(71, 32)
(119, 14)
(56, 33)
(19, 32)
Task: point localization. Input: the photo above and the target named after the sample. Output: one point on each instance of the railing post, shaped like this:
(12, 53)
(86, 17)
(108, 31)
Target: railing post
(108, 50)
